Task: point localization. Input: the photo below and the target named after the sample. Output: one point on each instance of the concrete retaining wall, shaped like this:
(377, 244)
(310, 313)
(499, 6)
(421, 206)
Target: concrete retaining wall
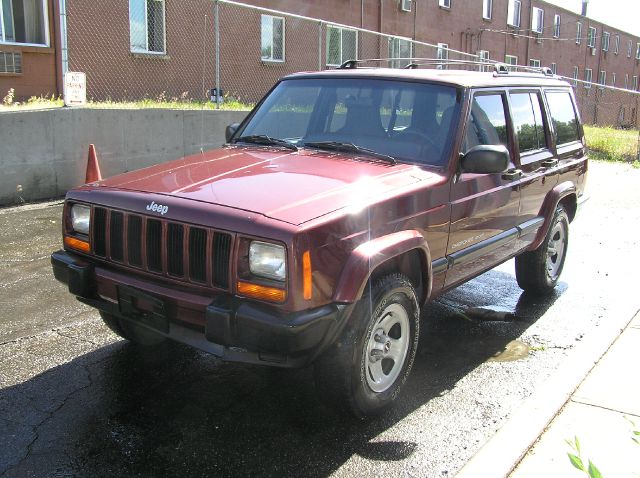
(44, 153)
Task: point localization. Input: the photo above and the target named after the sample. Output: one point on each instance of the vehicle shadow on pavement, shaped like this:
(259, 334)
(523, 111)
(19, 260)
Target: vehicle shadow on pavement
(175, 411)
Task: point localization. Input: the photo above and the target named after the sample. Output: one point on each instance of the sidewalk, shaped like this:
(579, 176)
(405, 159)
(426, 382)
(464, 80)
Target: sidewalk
(583, 400)
(596, 415)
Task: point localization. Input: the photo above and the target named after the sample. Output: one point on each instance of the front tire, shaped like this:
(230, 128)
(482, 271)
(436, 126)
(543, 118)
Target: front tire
(538, 271)
(363, 372)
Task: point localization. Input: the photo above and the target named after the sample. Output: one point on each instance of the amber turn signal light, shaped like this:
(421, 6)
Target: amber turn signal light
(306, 275)
(77, 244)
(255, 291)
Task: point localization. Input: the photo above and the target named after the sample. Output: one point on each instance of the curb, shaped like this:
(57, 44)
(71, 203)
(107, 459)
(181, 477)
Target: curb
(499, 456)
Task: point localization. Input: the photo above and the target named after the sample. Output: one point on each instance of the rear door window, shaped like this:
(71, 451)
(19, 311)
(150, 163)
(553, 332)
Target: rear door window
(563, 116)
(527, 121)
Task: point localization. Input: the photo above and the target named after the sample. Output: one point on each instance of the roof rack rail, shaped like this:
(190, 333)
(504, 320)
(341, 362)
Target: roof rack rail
(498, 67)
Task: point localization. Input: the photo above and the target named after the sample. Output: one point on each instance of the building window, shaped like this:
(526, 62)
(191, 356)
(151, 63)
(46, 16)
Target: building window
(10, 62)
(605, 41)
(602, 79)
(483, 56)
(556, 26)
(443, 54)
(511, 60)
(537, 20)
(444, 3)
(146, 23)
(635, 83)
(616, 45)
(626, 81)
(487, 9)
(24, 21)
(613, 79)
(342, 45)
(554, 68)
(513, 13)
(588, 76)
(534, 63)
(591, 38)
(578, 33)
(400, 48)
(576, 72)
(405, 5)
(638, 51)
(629, 48)
(272, 38)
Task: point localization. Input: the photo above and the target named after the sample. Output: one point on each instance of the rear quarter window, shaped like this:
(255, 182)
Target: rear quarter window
(563, 116)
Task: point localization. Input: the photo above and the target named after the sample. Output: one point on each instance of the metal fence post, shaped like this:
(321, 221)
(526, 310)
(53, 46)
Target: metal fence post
(217, 34)
(638, 125)
(319, 46)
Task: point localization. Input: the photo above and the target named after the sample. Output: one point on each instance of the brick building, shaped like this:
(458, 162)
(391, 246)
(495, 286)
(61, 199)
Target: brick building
(29, 61)
(167, 48)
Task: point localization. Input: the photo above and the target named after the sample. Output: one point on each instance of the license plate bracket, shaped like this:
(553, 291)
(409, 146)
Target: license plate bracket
(143, 307)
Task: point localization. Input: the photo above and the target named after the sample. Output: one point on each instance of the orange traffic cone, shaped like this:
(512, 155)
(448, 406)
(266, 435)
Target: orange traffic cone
(93, 167)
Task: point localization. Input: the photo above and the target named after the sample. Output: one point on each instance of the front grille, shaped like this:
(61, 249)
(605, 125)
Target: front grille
(100, 232)
(175, 252)
(198, 254)
(116, 236)
(183, 252)
(134, 241)
(154, 245)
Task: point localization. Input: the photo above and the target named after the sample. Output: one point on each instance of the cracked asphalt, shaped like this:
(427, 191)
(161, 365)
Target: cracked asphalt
(75, 400)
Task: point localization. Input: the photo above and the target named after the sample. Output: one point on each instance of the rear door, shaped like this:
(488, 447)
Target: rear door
(534, 156)
(484, 207)
(567, 136)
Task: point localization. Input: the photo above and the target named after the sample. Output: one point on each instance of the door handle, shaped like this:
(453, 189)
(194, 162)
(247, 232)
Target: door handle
(512, 174)
(550, 163)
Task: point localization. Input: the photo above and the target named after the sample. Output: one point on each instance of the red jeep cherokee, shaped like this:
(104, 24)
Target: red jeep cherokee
(344, 202)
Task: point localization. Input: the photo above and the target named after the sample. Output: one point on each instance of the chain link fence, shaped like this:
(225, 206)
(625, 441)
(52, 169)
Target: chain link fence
(220, 53)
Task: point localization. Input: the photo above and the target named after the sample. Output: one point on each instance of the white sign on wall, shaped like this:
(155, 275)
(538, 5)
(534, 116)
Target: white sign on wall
(75, 88)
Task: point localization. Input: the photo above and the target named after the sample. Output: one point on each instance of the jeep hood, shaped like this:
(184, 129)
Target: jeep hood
(294, 187)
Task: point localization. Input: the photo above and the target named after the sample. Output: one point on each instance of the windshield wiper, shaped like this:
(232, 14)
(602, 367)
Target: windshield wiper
(266, 141)
(349, 148)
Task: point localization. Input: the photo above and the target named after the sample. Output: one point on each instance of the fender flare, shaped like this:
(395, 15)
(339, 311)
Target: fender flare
(548, 208)
(367, 257)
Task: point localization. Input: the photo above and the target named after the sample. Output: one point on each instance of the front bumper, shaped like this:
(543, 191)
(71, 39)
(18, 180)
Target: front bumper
(226, 326)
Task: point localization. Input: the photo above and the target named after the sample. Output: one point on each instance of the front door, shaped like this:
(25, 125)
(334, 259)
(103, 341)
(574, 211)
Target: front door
(484, 207)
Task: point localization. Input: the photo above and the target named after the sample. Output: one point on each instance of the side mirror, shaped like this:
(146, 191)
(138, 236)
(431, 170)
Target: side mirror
(230, 131)
(485, 159)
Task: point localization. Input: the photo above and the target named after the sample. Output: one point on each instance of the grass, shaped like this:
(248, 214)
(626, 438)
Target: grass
(162, 101)
(609, 144)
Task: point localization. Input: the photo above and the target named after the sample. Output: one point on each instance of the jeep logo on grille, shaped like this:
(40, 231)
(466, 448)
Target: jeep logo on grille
(157, 208)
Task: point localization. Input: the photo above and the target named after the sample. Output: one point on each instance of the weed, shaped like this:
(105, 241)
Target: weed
(577, 460)
(8, 99)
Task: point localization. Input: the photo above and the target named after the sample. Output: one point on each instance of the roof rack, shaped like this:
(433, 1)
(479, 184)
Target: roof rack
(498, 68)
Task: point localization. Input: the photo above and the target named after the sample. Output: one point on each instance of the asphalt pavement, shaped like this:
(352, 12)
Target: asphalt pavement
(75, 400)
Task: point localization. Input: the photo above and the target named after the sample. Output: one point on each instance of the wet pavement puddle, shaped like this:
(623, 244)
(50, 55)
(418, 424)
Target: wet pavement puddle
(514, 350)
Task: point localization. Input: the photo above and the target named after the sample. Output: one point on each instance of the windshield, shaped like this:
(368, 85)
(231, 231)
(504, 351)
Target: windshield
(403, 120)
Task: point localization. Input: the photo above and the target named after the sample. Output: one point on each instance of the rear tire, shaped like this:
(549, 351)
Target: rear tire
(538, 271)
(132, 332)
(363, 371)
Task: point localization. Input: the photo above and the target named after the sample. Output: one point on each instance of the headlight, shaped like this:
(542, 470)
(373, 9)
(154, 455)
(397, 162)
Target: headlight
(267, 260)
(80, 218)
